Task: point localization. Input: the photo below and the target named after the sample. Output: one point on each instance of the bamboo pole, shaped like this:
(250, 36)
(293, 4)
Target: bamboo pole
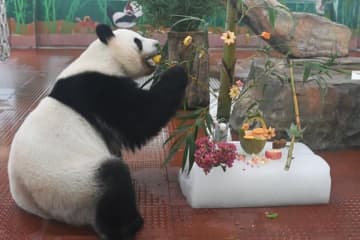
(297, 117)
(228, 65)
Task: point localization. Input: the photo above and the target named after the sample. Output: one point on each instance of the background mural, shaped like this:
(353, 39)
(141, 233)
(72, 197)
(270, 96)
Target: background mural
(46, 21)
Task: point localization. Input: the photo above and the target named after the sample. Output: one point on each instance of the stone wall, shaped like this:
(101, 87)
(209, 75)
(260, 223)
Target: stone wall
(332, 121)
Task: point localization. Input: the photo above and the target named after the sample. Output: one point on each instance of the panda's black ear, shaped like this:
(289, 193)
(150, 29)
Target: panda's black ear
(104, 33)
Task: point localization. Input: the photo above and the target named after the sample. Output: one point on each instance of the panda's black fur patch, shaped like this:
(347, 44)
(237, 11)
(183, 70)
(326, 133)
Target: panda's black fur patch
(117, 216)
(104, 33)
(125, 115)
(138, 44)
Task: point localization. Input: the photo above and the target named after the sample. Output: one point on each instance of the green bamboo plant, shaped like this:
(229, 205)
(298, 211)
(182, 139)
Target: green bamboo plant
(228, 65)
(50, 14)
(74, 6)
(103, 5)
(168, 12)
(201, 121)
(20, 14)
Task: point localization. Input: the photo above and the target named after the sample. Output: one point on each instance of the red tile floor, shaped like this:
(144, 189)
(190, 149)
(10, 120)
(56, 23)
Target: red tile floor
(28, 76)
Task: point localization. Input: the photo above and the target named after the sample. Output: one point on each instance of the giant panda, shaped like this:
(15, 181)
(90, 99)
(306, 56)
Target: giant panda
(65, 159)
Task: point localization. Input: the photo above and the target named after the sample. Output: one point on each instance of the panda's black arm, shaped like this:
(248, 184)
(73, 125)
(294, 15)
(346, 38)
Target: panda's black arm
(124, 114)
(152, 109)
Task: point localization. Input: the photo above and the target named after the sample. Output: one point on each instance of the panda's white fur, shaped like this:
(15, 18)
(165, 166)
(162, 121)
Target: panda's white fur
(62, 164)
(52, 164)
(120, 57)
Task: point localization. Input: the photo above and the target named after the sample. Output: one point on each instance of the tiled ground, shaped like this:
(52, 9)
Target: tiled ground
(27, 77)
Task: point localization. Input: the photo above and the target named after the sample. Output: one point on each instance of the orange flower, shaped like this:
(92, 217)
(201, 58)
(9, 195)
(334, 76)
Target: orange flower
(270, 133)
(245, 126)
(265, 35)
(228, 37)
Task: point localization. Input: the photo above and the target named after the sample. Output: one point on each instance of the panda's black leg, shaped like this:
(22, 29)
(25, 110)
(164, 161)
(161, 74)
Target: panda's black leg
(117, 216)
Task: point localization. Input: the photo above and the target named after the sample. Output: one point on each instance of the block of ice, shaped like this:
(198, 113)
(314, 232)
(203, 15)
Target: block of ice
(307, 182)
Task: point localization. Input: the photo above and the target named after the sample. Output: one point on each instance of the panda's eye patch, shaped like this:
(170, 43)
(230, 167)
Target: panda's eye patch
(138, 43)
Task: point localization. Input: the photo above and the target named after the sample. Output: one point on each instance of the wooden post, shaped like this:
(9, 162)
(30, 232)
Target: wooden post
(197, 91)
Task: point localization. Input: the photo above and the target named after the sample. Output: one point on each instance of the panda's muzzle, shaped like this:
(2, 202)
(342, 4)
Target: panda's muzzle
(149, 61)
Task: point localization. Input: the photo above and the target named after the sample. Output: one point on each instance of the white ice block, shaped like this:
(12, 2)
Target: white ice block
(307, 182)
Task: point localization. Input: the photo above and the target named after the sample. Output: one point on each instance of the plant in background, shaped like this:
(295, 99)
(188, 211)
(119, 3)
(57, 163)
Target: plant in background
(70, 16)
(50, 14)
(20, 14)
(168, 12)
(228, 62)
(103, 6)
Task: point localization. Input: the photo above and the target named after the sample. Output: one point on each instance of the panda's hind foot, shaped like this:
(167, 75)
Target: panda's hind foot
(117, 216)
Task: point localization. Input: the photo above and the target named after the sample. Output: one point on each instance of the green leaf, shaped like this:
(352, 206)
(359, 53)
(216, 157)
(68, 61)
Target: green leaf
(190, 115)
(271, 215)
(173, 150)
(185, 156)
(294, 131)
(272, 16)
(307, 72)
(192, 148)
(172, 135)
(209, 124)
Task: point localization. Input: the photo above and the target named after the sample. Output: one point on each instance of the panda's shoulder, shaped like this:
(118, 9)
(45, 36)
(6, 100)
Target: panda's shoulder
(97, 80)
(90, 86)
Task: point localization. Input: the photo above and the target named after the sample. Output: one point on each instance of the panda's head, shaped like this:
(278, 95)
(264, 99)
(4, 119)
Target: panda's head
(131, 50)
(121, 53)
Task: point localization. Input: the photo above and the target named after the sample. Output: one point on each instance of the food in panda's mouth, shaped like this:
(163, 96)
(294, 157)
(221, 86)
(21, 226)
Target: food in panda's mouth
(156, 58)
(273, 154)
(152, 61)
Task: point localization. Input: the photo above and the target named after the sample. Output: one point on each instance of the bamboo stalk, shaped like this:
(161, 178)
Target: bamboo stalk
(228, 61)
(297, 117)
(295, 100)
(290, 153)
(53, 28)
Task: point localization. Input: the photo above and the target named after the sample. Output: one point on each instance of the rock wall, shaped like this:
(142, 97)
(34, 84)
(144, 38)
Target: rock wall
(302, 35)
(332, 121)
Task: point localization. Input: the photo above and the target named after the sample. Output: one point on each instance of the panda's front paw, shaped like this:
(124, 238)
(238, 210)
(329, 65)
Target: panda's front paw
(176, 74)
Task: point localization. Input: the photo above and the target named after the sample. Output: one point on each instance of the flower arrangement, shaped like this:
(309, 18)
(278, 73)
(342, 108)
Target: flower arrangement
(211, 154)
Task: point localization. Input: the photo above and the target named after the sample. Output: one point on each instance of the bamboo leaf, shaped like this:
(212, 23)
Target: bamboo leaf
(189, 115)
(174, 149)
(307, 72)
(185, 156)
(209, 124)
(179, 138)
(272, 16)
(192, 148)
(271, 215)
(172, 135)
